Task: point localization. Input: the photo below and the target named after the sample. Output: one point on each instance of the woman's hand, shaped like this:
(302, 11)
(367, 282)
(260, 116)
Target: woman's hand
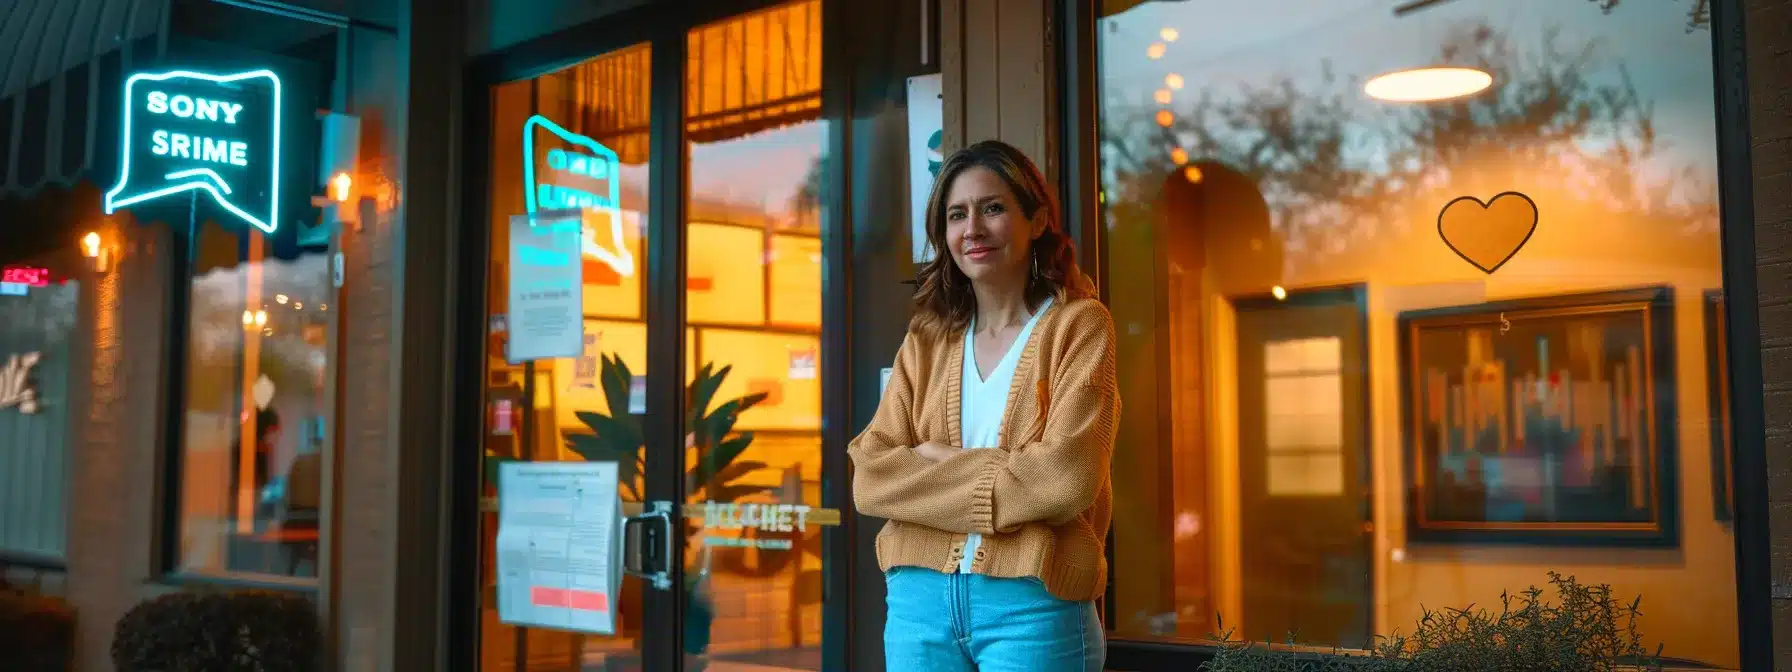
(937, 452)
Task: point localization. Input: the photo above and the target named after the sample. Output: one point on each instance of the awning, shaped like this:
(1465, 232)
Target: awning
(59, 61)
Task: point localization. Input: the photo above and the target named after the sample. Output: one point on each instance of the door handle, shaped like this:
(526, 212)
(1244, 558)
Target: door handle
(647, 544)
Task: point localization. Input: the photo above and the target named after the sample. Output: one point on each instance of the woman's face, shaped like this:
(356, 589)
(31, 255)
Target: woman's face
(988, 236)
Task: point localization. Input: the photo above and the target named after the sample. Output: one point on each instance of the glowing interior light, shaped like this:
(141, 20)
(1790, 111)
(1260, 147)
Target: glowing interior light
(248, 317)
(1173, 81)
(1155, 51)
(281, 299)
(90, 244)
(1164, 118)
(1163, 96)
(1169, 34)
(339, 186)
(218, 151)
(1192, 174)
(1179, 155)
(1278, 292)
(1420, 85)
(261, 317)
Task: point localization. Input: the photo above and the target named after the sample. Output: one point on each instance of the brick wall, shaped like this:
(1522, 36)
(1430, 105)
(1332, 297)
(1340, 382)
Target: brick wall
(1770, 100)
(115, 481)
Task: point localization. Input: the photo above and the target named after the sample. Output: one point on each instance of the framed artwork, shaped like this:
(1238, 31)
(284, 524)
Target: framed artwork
(1542, 421)
(1717, 377)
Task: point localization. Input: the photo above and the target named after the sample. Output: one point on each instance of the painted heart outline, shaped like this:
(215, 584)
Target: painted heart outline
(1486, 206)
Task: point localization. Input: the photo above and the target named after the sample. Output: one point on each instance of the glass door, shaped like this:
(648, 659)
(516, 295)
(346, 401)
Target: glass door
(693, 166)
(573, 140)
(754, 139)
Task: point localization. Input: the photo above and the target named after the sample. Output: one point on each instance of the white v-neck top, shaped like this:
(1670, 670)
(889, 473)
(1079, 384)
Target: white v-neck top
(983, 402)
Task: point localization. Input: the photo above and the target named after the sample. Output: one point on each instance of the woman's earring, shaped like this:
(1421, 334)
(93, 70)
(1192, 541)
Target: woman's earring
(1035, 266)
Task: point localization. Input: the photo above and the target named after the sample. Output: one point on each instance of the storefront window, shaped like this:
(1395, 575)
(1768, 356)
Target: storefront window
(39, 318)
(1417, 305)
(258, 367)
(255, 390)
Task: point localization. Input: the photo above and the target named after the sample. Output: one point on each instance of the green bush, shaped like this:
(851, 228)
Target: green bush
(245, 630)
(37, 632)
(1584, 630)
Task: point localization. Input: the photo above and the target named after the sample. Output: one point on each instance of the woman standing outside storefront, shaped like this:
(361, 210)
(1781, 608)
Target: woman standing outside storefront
(989, 454)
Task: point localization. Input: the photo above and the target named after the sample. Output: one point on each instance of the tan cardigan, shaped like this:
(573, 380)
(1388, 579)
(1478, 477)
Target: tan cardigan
(1042, 501)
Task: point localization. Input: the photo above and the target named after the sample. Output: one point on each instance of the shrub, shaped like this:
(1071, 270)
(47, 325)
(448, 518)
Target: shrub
(1584, 630)
(246, 630)
(37, 632)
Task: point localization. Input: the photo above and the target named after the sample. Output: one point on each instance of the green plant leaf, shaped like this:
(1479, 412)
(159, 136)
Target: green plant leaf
(703, 390)
(491, 467)
(727, 451)
(622, 433)
(735, 493)
(596, 449)
(703, 475)
(616, 380)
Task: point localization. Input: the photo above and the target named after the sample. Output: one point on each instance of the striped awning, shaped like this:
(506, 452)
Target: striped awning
(59, 60)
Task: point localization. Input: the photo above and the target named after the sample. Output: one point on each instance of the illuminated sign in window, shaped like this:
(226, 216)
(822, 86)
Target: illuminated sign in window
(567, 171)
(186, 131)
(30, 276)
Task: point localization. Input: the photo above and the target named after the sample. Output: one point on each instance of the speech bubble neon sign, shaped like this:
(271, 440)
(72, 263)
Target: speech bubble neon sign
(186, 131)
(585, 161)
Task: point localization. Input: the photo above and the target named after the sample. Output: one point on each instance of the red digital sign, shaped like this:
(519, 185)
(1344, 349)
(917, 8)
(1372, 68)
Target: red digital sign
(26, 275)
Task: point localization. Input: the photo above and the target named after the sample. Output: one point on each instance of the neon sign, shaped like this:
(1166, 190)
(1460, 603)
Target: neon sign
(568, 184)
(186, 131)
(30, 276)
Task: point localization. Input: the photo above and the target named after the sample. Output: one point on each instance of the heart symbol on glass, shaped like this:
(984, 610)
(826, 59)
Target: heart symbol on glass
(1487, 235)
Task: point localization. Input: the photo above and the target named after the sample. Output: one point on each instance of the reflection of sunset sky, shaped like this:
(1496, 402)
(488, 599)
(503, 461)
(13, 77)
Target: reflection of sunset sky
(762, 170)
(1224, 46)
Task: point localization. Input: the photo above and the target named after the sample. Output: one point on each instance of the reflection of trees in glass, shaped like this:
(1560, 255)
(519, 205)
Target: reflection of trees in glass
(1697, 18)
(217, 328)
(808, 194)
(1333, 169)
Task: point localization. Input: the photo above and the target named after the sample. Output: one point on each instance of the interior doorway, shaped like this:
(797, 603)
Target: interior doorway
(1303, 467)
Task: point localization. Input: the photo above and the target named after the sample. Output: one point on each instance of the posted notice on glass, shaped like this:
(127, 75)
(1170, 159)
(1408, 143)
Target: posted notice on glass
(559, 546)
(546, 286)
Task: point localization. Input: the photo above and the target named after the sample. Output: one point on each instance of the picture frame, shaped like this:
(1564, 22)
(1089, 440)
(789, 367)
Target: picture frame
(1717, 383)
(1543, 420)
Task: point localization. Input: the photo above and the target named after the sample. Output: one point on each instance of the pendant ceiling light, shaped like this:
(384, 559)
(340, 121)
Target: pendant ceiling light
(1419, 85)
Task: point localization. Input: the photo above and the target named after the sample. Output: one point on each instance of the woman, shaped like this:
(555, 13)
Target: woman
(989, 453)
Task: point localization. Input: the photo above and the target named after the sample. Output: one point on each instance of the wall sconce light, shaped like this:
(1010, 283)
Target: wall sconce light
(97, 252)
(340, 186)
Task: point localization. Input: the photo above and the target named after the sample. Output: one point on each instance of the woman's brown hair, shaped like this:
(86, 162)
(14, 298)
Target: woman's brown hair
(944, 301)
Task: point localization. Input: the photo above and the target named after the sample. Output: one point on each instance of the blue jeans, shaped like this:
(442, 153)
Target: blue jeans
(945, 622)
